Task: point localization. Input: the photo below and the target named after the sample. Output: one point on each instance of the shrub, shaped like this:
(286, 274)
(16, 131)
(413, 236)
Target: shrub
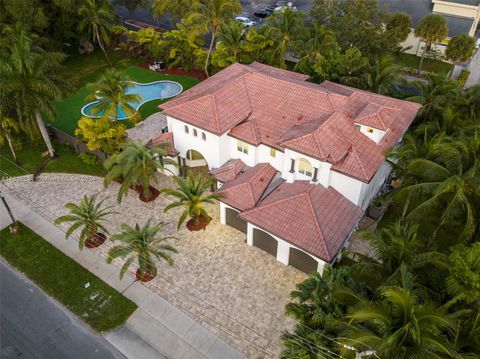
(463, 77)
(89, 159)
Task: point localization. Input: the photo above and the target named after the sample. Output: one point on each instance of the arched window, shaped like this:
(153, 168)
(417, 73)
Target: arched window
(204, 136)
(195, 134)
(304, 167)
(186, 129)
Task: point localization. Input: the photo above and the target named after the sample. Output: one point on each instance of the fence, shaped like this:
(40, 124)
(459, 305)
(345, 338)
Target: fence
(78, 145)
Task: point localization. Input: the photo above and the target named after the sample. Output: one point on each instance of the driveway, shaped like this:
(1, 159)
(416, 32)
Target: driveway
(236, 291)
(32, 325)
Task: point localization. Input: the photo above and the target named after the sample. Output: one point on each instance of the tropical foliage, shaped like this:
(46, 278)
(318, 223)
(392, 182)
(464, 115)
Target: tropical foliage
(143, 245)
(90, 215)
(432, 29)
(101, 134)
(460, 48)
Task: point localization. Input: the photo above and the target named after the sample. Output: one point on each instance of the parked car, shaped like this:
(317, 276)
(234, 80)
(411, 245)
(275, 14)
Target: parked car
(245, 21)
(262, 13)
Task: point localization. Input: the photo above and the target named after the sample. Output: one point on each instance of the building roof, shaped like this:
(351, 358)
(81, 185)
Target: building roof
(309, 216)
(246, 190)
(167, 139)
(458, 25)
(229, 170)
(260, 104)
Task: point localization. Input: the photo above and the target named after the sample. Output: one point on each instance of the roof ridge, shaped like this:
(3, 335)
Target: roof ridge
(274, 202)
(323, 242)
(214, 103)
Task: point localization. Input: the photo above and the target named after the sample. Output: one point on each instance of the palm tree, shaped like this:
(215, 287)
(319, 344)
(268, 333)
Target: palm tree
(136, 165)
(435, 93)
(90, 215)
(143, 245)
(191, 195)
(97, 18)
(30, 82)
(432, 29)
(403, 324)
(112, 90)
(285, 28)
(210, 15)
(229, 48)
(460, 48)
(8, 126)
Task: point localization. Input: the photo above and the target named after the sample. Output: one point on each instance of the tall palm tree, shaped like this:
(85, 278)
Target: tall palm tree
(8, 126)
(97, 18)
(448, 185)
(431, 29)
(403, 324)
(136, 165)
(285, 28)
(460, 48)
(141, 244)
(30, 82)
(210, 15)
(435, 93)
(191, 194)
(90, 215)
(232, 38)
(111, 90)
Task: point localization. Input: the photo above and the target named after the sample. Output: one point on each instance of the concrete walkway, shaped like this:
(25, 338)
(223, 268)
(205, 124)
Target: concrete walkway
(157, 329)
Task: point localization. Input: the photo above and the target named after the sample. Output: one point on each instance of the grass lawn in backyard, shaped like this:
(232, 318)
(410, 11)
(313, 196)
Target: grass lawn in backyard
(30, 157)
(82, 70)
(431, 65)
(99, 305)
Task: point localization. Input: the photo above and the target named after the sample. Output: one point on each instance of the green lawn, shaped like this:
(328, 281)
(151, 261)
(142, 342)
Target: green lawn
(30, 156)
(99, 305)
(80, 71)
(431, 65)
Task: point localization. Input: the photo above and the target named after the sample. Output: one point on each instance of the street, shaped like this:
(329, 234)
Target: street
(32, 325)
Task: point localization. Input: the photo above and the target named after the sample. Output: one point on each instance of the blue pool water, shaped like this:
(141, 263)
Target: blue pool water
(151, 91)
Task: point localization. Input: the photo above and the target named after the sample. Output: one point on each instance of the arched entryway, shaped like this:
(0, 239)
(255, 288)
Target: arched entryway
(302, 261)
(232, 219)
(265, 242)
(195, 162)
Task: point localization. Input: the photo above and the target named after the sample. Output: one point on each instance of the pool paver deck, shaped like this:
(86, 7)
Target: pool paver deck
(220, 294)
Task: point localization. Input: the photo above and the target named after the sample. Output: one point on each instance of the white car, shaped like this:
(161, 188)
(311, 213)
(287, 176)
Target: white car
(245, 21)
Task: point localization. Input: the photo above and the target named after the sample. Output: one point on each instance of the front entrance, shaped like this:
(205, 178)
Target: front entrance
(232, 219)
(302, 261)
(195, 163)
(265, 242)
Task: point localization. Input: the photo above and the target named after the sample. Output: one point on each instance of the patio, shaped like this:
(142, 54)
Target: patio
(236, 291)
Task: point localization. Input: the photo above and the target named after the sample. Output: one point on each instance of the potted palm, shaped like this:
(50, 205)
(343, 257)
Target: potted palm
(135, 167)
(191, 194)
(90, 216)
(141, 244)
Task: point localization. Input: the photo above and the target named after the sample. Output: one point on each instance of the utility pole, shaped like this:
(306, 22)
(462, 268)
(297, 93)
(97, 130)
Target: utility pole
(14, 227)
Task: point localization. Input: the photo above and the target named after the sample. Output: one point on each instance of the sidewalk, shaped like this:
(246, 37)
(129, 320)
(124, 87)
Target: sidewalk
(156, 329)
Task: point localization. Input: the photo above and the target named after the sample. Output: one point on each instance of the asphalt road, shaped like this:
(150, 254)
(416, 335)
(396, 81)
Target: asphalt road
(32, 325)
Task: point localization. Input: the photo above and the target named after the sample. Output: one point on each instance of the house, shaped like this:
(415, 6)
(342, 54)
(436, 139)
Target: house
(462, 17)
(297, 163)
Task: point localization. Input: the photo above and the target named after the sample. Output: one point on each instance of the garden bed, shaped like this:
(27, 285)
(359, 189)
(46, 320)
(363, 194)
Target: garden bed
(85, 295)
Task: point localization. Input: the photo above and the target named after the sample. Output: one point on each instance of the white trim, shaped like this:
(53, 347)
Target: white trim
(141, 103)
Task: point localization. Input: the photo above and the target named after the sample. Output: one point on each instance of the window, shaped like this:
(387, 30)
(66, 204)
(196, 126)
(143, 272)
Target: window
(242, 147)
(204, 136)
(370, 130)
(195, 133)
(186, 129)
(273, 152)
(304, 167)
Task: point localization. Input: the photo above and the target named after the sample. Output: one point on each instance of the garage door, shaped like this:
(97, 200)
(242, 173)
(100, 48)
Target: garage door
(265, 241)
(302, 261)
(232, 219)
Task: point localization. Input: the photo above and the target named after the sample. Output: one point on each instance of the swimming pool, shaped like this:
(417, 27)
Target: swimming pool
(150, 91)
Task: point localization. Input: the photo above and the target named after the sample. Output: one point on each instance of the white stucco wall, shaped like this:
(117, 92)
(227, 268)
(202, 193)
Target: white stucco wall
(369, 190)
(250, 158)
(323, 168)
(372, 133)
(263, 156)
(349, 187)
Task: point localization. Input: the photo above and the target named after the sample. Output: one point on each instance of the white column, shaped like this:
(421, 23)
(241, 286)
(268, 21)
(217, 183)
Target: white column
(223, 215)
(283, 251)
(321, 266)
(249, 234)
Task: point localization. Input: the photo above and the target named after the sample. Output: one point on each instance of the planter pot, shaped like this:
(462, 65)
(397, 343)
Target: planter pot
(197, 224)
(95, 241)
(146, 277)
(154, 193)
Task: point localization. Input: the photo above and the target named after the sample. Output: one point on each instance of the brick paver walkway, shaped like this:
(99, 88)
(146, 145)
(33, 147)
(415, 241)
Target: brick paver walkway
(236, 291)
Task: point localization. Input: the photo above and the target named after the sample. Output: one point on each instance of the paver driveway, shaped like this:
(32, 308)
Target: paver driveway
(236, 291)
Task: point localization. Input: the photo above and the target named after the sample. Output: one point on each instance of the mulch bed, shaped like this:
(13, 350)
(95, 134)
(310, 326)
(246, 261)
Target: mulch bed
(154, 193)
(95, 241)
(193, 227)
(143, 278)
(198, 74)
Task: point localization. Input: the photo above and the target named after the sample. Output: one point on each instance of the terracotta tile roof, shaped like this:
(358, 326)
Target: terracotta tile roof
(229, 170)
(309, 216)
(260, 104)
(246, 190)
(167, 138)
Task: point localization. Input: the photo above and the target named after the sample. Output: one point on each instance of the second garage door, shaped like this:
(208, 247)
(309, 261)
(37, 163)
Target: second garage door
(232, 219)
(302, 261)
(265, 241)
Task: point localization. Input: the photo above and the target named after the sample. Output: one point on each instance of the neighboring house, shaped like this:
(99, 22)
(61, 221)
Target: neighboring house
(297, 163)
(462, 17)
